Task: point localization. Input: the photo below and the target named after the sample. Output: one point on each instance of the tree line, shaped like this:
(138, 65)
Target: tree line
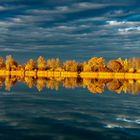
(94, 64)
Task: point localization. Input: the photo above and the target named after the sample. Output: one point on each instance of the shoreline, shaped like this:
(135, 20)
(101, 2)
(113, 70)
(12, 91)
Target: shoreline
(43, 74)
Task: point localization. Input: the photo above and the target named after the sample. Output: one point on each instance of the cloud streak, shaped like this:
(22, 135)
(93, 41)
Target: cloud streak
(88, 25)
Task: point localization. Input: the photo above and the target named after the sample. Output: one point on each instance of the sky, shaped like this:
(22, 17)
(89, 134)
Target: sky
(69, 29)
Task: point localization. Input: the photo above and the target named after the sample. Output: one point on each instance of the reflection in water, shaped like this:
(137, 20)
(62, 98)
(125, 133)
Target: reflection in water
(93, 85)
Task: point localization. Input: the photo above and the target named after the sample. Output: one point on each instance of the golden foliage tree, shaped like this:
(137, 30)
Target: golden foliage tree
(1, 61)
(137, 67)
(30, 65)
(70, 65)
(125, 65)
(114, 65)
(53, 64)
(14, 65)
(86, 67)
(96, 64)
(134, 63)
(2, 64)
(41, 64)
(9, 62)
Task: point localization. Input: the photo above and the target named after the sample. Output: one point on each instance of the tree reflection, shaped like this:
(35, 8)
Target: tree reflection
(93, 85)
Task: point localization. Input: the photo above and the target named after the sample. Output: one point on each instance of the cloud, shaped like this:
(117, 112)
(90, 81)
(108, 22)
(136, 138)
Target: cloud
(77, 7)
(114, 23)
(123, 27)
(8, 7)
(69, 25)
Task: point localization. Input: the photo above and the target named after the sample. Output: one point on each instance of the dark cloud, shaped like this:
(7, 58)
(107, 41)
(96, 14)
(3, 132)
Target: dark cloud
(85, 26)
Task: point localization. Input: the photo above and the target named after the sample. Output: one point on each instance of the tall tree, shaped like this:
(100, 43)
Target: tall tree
(41, 65)
(9, 62)
(30, 65)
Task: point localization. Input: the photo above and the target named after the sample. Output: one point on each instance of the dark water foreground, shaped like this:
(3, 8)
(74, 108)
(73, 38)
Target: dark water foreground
(68, 114)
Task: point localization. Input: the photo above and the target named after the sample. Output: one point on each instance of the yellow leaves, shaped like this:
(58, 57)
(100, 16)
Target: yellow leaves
(130, 65)
(114, 65)
(70, 65)
(125, 65)
(41, 63)
(9, 61)
(59, 69)
(87, 68)
(1, 61)
(30, 65)
(52, 73)
(131, 70)
(52, 64)
(96, 63)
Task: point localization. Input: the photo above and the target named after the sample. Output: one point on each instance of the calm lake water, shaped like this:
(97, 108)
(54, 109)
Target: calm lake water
(68, 114)
(77, 30)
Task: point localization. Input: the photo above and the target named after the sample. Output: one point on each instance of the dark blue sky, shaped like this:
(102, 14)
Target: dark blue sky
(70, 29)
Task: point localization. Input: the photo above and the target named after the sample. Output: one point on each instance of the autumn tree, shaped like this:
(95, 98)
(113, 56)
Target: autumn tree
(8, 62)
(2, 64)
(53, 64)
(137, 67)
(134, 64)
(21, 67)
(1, 61)
(70, 65)
(96, 64)
(86, 67)
(125, 65)
(114, 65)
(14, 65)
(41, 64)
(30, 65)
